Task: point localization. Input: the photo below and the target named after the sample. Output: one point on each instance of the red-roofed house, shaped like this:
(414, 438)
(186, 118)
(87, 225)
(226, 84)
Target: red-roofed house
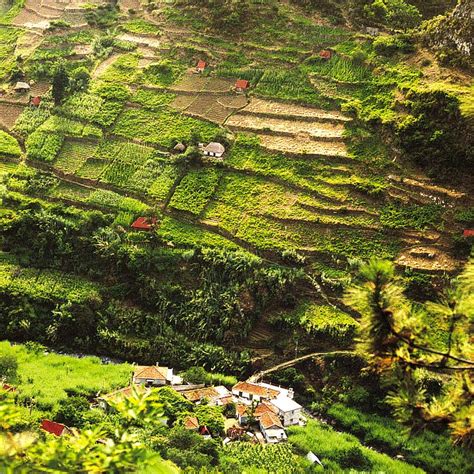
(251, 391)
(468, 233)
(144, 223)
(271, 428)
(54, 428)
(35, 101)
(203, 431)
(191, 423)
(242, 85)
(153, 375)
(8, 388)
(201, 65)
(325, 54)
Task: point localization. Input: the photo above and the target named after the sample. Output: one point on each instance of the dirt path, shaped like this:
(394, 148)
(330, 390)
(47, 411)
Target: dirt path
(290, 363)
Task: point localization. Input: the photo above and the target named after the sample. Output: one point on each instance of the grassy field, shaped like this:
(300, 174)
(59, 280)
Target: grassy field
(45, 376)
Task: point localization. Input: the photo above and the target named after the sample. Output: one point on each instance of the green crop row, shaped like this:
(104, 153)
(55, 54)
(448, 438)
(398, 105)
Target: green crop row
(195, 190)
(46, 284)
(74, 154)
(43, 146)
(163, 127)
(277, 458)
(65, 126)
(8, 145)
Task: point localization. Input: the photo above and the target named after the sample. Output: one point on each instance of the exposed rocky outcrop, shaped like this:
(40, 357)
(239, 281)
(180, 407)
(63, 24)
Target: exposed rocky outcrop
(454, 31)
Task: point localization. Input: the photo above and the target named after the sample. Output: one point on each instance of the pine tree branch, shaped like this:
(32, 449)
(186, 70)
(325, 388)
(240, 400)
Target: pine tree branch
(429, 350)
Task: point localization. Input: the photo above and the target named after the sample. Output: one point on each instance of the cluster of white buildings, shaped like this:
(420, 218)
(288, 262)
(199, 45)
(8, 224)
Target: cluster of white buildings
(272, 408)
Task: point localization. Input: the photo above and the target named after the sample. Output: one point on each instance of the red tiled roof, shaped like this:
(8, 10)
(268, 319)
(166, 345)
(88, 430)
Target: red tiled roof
(204, 431)
(144, 223)
(325, 54)
(201, 64)
(468, 233)
(269, 420)
(255, 390)
(241, 409)
(191, 423)
(122, 392)
(8, 388)
(263, 408)
(200, 393)
(36, 101)
(53, 427)
(242, 84)
(152, 372)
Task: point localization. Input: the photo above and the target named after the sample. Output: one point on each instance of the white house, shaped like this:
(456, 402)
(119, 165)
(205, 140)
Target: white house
(214, 395)
(254, 392)
(154, 375)
(214, 149)
(271, 428)
(288, 410)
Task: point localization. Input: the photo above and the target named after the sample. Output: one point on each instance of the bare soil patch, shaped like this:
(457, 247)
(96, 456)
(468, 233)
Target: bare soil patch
(428, 258)
(217, 84)
(141, 40)
(300, 145)
(182, 102)
(294, 127)
(270, 107)
(9, 113)
(191, 83)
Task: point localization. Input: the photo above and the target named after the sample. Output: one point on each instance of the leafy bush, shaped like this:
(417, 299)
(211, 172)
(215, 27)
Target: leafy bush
(434, 133)
(396, 14)
(43, 146)
(320, 320)
(390, 45)
(195, 190)
(8, 145)
(418, 217)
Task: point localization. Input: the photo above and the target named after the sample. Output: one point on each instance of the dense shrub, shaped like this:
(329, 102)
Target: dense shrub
(434, 133)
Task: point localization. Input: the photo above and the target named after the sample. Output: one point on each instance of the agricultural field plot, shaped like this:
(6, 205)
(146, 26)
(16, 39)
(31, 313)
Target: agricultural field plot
(92, 168)
(155, 178)
(6, 166)
(195, 190)
(147, 41)
(302, 146)
(9, 114)
(315, 129)
(162, 128)
(249, 196)
(70, 192)
(73, 155)
(286, 110)
(207, 107)
(191, 83)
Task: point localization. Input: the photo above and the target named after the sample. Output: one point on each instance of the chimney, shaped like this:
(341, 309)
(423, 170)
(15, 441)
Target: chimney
(291, 393)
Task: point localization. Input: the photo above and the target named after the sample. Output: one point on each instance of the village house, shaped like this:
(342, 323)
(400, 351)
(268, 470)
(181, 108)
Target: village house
(214, 395)
(214, 149)
(22, 87)
(271, 428)
(288, 410)
(154, 375)
(325, 54)
(144, 223)
(8, 388)
(179, 147)
(104, 401)
(250, 391)
(241, 85)
(244, 412)
(191, 423)
(57, 429)
(201, 66)
(35, 101)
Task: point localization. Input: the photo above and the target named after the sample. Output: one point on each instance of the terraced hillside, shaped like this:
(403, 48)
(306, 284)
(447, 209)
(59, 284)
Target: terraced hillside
(303, 182)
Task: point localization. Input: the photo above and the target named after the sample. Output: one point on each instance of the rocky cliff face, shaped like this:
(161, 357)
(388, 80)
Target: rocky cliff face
(455, 31)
